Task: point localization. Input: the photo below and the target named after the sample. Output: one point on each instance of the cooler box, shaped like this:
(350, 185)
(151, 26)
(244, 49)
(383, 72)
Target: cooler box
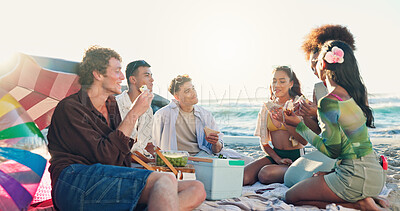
(222, 178)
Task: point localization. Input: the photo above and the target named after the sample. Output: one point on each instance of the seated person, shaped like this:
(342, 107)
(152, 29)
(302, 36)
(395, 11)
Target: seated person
(180, 124)
(315, 161)
(357, 177)
(287, 144)
(90, 148)
(137, 74)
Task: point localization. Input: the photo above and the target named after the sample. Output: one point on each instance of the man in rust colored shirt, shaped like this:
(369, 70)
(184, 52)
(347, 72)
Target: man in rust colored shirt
(90, 148)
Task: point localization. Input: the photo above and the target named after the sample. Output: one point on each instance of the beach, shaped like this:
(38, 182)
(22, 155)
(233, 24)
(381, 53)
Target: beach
(389, 147)
(237, 118)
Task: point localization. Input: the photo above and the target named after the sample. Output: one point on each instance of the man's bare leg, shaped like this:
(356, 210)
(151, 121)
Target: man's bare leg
(191, 194)
(160, 192)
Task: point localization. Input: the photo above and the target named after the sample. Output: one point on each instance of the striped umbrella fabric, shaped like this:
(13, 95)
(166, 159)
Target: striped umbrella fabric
(21, 148)
(36, 88)
(31, 88)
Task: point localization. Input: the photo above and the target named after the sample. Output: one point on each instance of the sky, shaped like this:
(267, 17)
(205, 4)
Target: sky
(228, 47)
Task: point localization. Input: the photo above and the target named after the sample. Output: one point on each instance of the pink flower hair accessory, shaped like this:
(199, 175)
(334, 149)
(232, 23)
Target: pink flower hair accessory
(334, 56)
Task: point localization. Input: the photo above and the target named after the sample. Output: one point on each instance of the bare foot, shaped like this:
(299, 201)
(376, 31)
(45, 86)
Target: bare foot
(368, 204)
(382, 202)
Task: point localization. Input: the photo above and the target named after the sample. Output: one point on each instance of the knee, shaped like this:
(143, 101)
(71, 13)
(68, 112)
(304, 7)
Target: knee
(289, 197)
(171, 179)
(265, 176)
(248, 179)
(200, 191)
(196, 193)
(167, 180)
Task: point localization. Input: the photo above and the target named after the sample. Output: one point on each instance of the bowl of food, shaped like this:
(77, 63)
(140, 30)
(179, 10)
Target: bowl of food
(176, 158)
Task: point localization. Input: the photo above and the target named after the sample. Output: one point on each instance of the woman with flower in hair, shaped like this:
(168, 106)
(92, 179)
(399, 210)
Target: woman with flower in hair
(315, 161)
(357, 176)
(287, 144)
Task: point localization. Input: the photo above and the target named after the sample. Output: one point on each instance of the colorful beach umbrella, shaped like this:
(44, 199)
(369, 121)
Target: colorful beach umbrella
(39, 87)
(22, 147)
(30, 87)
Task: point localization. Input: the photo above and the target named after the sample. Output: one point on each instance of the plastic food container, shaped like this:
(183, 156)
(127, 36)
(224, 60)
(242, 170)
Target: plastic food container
(176, 158)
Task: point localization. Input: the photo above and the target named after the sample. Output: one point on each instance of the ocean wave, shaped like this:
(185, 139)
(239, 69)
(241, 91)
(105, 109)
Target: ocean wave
(236, 133)
(238, 118)
(386, 107)
(384, 131)
(384, 96)
(230, 113)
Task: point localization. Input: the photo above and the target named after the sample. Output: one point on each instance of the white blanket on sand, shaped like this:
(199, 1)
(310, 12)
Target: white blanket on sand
(265, 197)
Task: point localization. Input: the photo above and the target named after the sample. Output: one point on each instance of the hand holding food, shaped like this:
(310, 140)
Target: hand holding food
(304, 107)
(288, 108)
(142, 103)
(208, 131)
(143, 88)
(291, 119)
(211, 135)
(272, 106)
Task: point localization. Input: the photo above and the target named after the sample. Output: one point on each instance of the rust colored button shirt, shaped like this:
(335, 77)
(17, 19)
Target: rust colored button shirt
(79, 134)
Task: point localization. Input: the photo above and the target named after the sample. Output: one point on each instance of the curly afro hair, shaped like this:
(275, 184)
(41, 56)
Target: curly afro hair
(314, 41)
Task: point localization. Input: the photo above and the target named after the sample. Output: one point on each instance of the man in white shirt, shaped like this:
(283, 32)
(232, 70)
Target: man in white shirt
(180, 124)
(138, 74)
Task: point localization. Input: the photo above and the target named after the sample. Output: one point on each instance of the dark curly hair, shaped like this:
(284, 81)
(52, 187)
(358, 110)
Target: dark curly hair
(347, 75)
(95, 58)
(314, 41)
(177, 82)
(296, 89)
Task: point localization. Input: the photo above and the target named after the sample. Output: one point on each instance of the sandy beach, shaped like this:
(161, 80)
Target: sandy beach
(390, 148)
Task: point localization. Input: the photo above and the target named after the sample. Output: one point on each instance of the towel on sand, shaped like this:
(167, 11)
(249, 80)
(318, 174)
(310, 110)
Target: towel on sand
(265, 197)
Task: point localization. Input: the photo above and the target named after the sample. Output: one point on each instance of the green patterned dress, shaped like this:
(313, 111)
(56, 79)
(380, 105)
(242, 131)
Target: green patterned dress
(358, 173)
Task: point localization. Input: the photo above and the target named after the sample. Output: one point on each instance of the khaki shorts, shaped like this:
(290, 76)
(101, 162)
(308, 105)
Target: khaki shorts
(356, 179)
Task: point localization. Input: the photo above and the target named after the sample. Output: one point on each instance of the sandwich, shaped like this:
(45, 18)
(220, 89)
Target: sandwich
(301, 98)
(143, 88)
(288, 108)
(272, 106)
(208, 130)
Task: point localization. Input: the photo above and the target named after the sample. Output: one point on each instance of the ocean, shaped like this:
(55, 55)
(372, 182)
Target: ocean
(237, 117)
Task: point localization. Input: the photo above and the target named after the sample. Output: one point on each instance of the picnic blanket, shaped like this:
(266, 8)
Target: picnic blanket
(266, 197)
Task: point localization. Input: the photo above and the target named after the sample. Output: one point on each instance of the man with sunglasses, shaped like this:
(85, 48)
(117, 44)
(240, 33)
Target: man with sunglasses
(138, 74)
